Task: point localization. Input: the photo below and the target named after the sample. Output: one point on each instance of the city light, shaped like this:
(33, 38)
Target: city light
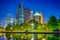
(11, 21)
(11, 35)
(22, 27)
(32, 38)
(26, 24)
(32, 24)
(22, 37)
(43, 38)
(0, 34)
(11, 28)
(31, 11)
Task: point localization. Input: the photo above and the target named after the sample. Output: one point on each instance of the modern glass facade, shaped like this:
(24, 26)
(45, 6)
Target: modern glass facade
(20, 14)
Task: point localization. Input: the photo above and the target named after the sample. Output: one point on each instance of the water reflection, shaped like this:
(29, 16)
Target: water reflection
(2, 38)
(12, 36)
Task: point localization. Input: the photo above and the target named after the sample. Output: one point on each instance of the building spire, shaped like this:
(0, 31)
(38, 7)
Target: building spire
(22, 3)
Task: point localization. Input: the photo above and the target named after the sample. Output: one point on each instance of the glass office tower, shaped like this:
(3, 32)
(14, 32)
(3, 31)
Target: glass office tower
(20, 14)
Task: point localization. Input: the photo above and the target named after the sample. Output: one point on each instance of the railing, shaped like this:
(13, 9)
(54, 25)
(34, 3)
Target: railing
(34, 32)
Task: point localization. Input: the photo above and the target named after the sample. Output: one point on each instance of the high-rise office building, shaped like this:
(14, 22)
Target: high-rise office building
(37, 17)
(26, 15)
(31, 15)
(20, 13)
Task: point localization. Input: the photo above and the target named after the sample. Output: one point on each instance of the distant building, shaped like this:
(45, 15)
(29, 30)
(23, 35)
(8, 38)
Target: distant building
(20, 14)
(37, 17)
(5, 25)
(41, 18)
(31, 15)
(26, 15)
(10, 20)
(15, 21)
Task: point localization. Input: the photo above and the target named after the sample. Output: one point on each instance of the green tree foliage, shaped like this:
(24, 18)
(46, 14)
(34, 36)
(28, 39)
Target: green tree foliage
(8, 27)
(59, 23)
(52, 22)
(33, 21)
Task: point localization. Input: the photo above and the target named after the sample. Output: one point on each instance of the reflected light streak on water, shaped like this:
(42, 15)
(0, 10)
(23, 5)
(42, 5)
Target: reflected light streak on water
(2, 38)
(32, 38)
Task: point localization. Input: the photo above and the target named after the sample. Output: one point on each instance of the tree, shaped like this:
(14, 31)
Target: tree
(52, 23)
(8, 27)
(59, 23)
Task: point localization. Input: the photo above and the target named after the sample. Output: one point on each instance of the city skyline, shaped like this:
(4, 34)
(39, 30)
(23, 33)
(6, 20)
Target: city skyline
(47, 7)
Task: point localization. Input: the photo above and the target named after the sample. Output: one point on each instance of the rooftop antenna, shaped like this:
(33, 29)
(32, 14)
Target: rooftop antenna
(21, 4)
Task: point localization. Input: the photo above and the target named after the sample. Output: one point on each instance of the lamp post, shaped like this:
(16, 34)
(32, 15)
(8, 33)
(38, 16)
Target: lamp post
(33, 28)
(11, 28)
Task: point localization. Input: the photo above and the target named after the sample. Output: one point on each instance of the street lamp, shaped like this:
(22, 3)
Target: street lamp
(11, 28)
(32, 38)
(12, 22)
(22, 37)
(32, 26)
(22, 27)
(11, 35)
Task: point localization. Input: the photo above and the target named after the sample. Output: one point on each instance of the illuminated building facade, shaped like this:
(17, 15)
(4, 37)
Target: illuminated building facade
(20, 14)
(26, 15)
(37, 17)
(41, 18)
(10, 20)
(31, 15)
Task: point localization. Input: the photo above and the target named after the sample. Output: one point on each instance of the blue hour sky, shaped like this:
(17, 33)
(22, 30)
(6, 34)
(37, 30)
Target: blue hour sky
(47, 7)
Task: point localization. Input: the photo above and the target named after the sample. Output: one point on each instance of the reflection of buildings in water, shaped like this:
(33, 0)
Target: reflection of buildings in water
(32, 38)
(23, 37)
(3, 38)
(2, 30)
(12, 38)
(26, 15)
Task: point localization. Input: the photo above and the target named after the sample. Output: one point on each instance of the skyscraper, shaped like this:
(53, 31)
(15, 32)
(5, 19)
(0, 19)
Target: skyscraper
(41, 18)
(37, 17)
(20, 14)
(26, 15)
